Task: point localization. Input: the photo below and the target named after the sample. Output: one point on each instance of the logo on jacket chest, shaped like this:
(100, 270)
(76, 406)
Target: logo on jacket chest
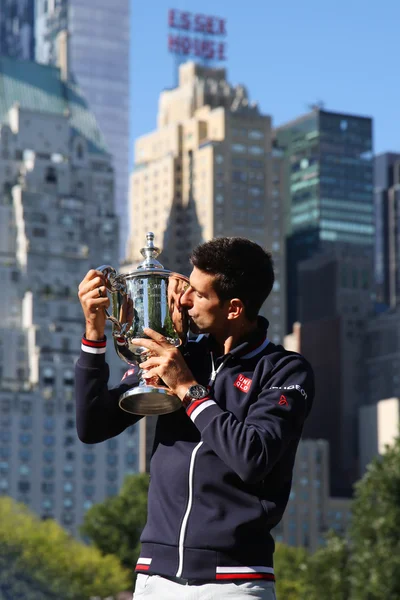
(243, 383)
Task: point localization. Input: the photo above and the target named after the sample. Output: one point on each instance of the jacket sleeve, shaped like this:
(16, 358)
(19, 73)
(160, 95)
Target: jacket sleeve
(252, 447)
(98, 415)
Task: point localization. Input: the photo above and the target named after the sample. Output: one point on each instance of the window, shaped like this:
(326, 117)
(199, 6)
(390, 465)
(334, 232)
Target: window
(48, 472)
(256, 134)
(49, 423)
(48, 455)
(131, 458)
(25, 438)
(256, 150)
(111, 490)
(24, 487)
(47, 488)
(89, 490)
(112, 459)
(51, 175)
(68, 470)
(238, 148)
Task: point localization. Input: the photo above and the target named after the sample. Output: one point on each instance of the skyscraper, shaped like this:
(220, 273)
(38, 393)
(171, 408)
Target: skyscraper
(329, 188)
(209, 170)
(97, 36)
(335, 306)
(57, 220)
(17, 30)
(387, 242)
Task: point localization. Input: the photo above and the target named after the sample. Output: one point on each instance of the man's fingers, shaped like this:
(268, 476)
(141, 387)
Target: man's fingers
(149, 344)
(157, 337)
(92, 284)
(153, 361)
(94, 304)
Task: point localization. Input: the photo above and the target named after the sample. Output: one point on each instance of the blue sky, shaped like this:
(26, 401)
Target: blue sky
(289, 54)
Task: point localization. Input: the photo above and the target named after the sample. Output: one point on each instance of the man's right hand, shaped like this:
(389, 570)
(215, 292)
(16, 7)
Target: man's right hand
(93, 298)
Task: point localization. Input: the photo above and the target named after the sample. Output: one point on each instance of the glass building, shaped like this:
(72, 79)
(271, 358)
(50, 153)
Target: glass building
(328, 189)
(99, 38)
(387, 216)
(17, 28)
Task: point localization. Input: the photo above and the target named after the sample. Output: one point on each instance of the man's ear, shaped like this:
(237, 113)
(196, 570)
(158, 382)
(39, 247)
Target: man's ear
(235, 309)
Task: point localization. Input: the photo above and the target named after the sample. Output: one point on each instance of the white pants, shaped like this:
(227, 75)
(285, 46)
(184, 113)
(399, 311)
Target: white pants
(154, 587)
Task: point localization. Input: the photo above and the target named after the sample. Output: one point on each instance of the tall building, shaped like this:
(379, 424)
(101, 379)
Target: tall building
(95, 36)
(387, 243)
(17, 31)
(335, 306)
(311, 511)
(379, 428)
(381, 356)
(209, 170)
(57, 220)
(328, 188)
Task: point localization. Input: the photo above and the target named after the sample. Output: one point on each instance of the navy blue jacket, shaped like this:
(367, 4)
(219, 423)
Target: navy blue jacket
(221, 470)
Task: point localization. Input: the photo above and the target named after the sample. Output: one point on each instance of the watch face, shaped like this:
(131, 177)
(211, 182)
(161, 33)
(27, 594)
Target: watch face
(198, 391)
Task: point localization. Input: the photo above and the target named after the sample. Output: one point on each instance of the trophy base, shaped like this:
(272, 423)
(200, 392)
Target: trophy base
(148, 400)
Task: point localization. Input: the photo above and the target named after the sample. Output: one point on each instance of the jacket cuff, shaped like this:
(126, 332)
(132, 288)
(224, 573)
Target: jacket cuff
(206, 407)
(93, 353)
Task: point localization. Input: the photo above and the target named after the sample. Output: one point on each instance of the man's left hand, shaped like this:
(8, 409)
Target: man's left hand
(166, 362)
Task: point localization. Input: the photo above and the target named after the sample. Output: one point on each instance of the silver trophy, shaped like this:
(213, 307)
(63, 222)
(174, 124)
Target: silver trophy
(146, 297)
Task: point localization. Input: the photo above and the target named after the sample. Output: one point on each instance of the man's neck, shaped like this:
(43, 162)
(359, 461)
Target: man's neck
(231, 338)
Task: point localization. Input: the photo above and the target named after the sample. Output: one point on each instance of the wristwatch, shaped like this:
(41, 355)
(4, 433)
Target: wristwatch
(195, 392)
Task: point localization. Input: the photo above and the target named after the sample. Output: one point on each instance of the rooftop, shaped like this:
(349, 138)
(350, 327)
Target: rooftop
(40, 88)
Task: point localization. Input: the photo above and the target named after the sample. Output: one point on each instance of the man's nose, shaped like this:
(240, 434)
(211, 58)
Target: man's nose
(185, 298)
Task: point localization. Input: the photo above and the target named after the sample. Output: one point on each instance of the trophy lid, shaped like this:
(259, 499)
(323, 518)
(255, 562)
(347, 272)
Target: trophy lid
(150, 253)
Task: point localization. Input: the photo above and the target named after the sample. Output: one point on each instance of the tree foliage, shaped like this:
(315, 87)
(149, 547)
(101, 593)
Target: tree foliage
(43, 556)
(327, 573)
(290, 566)
(115, 525)
(375, 530)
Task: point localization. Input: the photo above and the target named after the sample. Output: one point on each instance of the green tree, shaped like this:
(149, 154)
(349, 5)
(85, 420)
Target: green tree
(115, 525)
(375, 530)
(54, 562)
(327, 574)
(290, 566)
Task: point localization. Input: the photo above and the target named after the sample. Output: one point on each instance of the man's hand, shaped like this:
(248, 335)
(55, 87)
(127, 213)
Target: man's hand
(166, 362)
(93, 298)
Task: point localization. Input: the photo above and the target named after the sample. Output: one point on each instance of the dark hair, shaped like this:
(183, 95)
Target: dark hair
(242, 270)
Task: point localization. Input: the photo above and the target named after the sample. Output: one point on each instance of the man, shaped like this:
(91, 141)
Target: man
(222, 465)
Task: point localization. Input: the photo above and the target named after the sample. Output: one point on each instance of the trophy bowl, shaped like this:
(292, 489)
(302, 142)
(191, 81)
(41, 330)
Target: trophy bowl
(150, 297)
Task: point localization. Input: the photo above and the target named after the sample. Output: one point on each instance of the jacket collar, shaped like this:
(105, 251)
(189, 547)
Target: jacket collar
(250, 346)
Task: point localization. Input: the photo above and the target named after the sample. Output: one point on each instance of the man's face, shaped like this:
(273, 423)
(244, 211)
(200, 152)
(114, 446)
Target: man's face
(203, 305)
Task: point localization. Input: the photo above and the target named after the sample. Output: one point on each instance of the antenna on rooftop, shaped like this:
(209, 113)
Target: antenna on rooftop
(318, 105)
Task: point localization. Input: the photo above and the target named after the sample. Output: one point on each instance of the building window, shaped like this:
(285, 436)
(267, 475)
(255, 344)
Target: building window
(51, 175)
(25, 438)
(68, 487)
(256, 150)
(112, 475)
(256, 134)
(238, 148)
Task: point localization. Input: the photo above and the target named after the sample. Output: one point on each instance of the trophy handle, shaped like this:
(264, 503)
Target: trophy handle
(114, 283)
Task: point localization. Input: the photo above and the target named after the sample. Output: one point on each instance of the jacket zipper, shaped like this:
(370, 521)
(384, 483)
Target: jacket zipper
(182, 532)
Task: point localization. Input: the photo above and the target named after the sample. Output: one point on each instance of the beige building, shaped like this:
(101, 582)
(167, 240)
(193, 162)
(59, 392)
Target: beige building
(378, 429)
(209, 170)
